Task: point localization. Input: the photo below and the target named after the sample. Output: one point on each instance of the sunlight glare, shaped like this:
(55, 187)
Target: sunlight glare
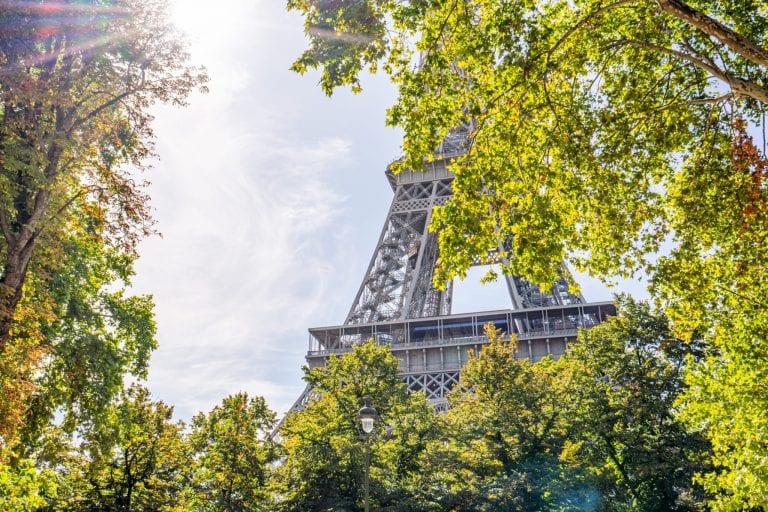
(213, 28)
(201, 18)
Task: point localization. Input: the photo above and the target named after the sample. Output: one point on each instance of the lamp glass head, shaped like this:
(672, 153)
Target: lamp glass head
(367, 415)
(367, 423)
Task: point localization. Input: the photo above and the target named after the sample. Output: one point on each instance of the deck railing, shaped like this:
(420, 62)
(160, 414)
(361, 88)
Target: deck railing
(463, 329)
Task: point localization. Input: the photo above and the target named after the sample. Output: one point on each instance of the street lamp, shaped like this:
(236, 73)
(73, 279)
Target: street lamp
(367, 417)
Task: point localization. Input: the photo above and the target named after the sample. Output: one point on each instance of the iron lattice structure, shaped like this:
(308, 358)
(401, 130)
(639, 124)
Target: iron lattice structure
(398, 306)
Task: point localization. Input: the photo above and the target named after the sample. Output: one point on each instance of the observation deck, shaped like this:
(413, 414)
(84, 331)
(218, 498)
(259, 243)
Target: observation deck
(432, 351)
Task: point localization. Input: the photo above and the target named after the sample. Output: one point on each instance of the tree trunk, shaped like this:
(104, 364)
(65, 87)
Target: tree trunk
(12, 281)
(21, 245)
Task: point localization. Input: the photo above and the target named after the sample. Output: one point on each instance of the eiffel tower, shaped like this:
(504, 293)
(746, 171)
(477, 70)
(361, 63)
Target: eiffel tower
(398, 306)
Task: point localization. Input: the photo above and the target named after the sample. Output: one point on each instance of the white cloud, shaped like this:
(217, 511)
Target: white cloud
(253, 193)
(241, 266)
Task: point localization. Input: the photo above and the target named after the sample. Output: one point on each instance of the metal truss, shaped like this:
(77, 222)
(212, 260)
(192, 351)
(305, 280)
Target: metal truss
(525, 295)
(434, 385)
(398, 282)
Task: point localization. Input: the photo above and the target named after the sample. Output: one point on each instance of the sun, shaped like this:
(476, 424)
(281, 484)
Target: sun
(195, 17)
(212, 24)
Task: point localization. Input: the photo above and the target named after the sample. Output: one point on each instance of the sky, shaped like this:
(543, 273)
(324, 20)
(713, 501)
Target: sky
(270, 198)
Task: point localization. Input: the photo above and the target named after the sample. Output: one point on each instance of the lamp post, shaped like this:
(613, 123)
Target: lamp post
(367, 417)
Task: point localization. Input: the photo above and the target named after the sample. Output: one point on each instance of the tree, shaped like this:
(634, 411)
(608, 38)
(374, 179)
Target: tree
(76, 81)
(324, 464)
(502, 436)
(23, 488)
(233, 452)
(599, 133)
(580, 112)
(623, 380)
(137, 462)
(595, 430)
(721, 295)
(95, 335)
(87, 332)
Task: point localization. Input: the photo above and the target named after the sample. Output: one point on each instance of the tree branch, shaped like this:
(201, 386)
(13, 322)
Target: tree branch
(713, 28)
(598, 11)
(6, 228)
(440, 31)
(62, 208)
(102, 107)
(739, 86)
(583, 21)
(111, 102)
(711, 101)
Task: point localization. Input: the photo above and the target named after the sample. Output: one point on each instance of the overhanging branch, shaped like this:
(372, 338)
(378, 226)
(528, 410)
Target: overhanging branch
(739, 86)
(710, 26)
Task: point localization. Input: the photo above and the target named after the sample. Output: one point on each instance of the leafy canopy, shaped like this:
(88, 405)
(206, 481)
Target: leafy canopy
(233, 453)
(137, 460)
(501, 438)
(77, 79)
(623, 380)
(581, 113)
(594, 430)
(324, 464)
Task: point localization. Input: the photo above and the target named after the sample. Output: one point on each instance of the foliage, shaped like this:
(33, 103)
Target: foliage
(98, 335)
(623, 378)
(601, 133)
(22, 487)
(233, 453)
(594, 430)
(92, 335)
(502, 436)
(324, 464)
(727, 400)
(136, 462)
(76, 82)
(580, 112)
(722, 295)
